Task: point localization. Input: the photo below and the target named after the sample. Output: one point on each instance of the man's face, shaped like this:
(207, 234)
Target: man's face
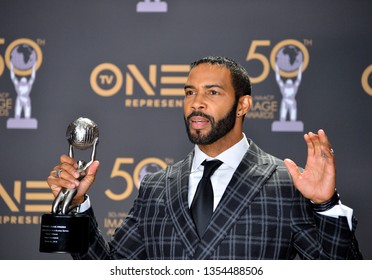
(209, 105)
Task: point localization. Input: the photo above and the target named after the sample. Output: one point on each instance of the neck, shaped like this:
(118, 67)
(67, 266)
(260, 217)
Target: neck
(221, 144)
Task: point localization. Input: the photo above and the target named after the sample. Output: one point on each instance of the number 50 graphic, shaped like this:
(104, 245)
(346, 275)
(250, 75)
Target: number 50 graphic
(254, 54)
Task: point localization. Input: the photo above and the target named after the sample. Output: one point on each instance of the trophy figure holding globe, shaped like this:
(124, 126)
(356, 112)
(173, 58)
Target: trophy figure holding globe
(22, 58)
(288, 60)
(65, 229)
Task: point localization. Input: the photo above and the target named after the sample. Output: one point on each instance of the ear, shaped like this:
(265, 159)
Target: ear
(244, 104)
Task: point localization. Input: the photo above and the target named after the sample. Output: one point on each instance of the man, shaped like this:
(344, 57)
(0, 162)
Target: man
(263, 208)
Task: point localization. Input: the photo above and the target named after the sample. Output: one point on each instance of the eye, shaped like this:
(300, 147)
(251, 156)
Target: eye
(189, 92)
(213, 92)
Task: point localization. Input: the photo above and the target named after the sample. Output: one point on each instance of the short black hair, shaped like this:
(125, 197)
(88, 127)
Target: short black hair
(239, 76)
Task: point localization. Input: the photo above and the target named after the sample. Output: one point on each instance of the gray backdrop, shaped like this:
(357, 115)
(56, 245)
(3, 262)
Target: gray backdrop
(124, 69)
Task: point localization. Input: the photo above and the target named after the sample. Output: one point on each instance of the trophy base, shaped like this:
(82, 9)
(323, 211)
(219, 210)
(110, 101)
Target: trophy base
(287, 126)
(64, 234)
(22, 123)
(160, 7)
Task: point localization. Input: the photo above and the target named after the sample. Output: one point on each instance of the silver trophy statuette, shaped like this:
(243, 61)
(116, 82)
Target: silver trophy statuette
(81, 134)
(65, 230)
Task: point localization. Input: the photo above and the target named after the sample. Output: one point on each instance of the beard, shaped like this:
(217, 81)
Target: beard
(218, 130)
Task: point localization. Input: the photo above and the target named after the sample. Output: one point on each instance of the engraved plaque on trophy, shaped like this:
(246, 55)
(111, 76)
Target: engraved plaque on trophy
(64, 230)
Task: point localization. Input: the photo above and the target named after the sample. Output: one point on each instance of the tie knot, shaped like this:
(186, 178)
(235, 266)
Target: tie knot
(210, 166)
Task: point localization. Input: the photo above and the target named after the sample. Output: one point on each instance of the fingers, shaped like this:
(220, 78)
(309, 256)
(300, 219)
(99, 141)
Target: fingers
(313, 144)
(67, 176)
(64, 175)
(89, 178)
(292, 169)
(318, 145)
(92, 170)
(326, 148)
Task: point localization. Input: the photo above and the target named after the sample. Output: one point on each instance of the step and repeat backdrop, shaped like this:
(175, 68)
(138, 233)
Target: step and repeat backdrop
(123, 63)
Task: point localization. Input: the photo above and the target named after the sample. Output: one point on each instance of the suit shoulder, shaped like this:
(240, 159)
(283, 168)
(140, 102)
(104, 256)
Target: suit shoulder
(262, 157)
(168, 171)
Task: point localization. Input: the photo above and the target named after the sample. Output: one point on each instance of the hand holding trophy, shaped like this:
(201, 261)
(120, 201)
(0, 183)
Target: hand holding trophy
(64, 230)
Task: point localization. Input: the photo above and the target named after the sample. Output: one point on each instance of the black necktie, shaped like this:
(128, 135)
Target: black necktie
(202, 204)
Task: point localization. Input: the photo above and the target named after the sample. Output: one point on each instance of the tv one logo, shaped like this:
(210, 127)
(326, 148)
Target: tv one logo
(35, 194)
(157, 81)
(167, 80)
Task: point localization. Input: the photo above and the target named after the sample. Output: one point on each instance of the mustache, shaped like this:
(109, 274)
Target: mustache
(199, 114)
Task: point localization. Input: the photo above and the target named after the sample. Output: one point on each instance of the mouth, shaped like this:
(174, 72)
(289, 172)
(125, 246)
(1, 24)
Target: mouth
(198, 122)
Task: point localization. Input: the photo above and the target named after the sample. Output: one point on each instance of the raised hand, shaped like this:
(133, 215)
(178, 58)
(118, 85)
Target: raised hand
(317, 181)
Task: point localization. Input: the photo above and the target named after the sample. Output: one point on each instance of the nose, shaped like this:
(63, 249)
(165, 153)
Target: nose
(198, 102)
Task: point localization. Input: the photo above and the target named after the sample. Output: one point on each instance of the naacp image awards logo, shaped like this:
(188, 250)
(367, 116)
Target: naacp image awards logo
(289, 61)
(23, 64)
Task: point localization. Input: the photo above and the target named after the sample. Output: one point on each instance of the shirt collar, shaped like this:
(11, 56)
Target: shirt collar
(231, 157)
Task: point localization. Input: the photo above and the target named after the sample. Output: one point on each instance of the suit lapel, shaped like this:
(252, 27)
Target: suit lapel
(177, 204)
(245, 184)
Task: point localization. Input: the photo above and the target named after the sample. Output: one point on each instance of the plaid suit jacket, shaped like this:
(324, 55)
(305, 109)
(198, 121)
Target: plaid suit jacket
(260, 216)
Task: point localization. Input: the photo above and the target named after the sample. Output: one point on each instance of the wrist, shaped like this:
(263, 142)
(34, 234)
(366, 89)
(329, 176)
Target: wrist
(324, 206)
(79, 200)
(85, 205)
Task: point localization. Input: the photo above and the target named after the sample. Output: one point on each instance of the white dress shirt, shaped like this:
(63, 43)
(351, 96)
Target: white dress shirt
(231, 159)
